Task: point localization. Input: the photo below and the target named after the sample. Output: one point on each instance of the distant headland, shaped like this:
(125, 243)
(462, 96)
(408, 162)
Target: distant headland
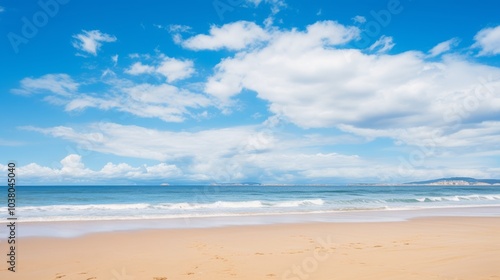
(458, 181)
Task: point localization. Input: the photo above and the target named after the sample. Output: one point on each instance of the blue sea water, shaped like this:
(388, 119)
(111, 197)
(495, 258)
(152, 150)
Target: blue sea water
(105, 203)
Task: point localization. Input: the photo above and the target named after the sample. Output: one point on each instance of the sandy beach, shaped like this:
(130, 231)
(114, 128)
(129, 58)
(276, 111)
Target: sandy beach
(430, 248)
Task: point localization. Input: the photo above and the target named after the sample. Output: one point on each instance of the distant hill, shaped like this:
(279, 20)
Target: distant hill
(458, 181)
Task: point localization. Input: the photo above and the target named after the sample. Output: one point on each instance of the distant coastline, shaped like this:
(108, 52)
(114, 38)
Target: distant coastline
(459, 181)
(452, 181)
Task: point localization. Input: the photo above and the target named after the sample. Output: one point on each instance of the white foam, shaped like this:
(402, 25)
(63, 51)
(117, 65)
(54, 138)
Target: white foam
(296, 203)
(473, 197)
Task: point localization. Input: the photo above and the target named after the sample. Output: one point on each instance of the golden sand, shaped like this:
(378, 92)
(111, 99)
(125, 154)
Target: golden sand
(432, 248)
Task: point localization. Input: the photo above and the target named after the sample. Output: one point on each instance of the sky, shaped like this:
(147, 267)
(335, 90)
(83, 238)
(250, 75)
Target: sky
(269, 91)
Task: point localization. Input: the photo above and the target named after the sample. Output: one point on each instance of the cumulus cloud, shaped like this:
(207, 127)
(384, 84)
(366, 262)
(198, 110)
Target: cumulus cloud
(91, 41)
(175, 69)
(443, 47)
(232, 36)
(138, 68)
(488, 41)
(72, 169)
(323, 33)
(171, 68)
(434, 102)
(309, 79)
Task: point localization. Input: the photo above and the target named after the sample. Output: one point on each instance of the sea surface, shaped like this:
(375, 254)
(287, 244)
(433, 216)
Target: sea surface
(104, 203)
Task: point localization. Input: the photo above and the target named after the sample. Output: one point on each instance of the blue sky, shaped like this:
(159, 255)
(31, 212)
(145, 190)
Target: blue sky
(273, 91)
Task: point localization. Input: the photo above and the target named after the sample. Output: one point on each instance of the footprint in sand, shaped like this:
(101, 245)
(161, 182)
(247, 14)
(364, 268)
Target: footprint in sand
(292, 252)
(220, 258)
(159, 278)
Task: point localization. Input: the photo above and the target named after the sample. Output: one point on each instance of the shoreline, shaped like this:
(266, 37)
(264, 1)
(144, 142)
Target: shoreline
(421, 248)
(67, 229)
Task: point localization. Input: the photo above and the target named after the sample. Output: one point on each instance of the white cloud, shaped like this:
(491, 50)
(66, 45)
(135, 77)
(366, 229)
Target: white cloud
(276, 6)
(73, 170)
(309, 81)
(91, 41)
(382, 45)
(114, 58)
(359, 19)
(60, 84)
(148, 100)
(286, 47)
(165, 102)
(138, 68)
(72, 164)
(443, 47)
(174, 69)
(171, 68)
(249, 152)
(488, 40)
(312, 84)
(241, 152)
(178, 28)
(121, 169)
(437, 138)
(140, 142)
(310, 78)
(162, 170)
(470, 135)
(232, 36)
(2, 9)
(323, 33)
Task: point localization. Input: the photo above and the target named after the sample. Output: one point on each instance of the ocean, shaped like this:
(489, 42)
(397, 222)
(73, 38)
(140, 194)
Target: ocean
(69, 211)
(104, 203)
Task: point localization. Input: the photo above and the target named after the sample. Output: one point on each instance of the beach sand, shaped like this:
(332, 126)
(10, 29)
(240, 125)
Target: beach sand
(430, 248)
